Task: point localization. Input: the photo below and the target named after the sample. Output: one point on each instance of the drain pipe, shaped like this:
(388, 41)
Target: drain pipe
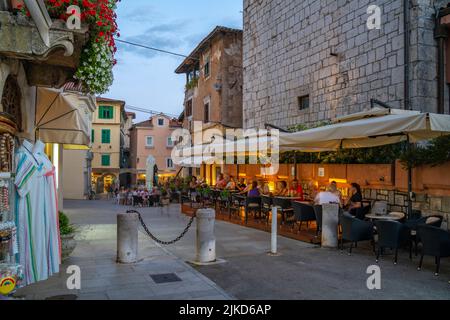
(406, 28)
(440, 34)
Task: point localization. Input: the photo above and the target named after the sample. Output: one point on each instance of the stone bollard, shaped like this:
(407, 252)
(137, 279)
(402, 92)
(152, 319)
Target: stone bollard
(206, 240)
(330, 220)
(127, 238)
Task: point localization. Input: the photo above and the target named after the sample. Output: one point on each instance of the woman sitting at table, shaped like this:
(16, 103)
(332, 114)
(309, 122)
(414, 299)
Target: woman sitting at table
(253, 191)
(230, 184)
(221, 183)
(241, 186)
(355, 200)
(193, 189)
(283, 190)
(264, 188)
(296, 190)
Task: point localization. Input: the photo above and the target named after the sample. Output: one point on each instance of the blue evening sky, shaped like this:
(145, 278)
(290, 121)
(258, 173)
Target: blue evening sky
(146, 79)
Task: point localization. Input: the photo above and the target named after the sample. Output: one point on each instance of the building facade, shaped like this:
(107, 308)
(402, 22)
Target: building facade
(107, 144)
(153, 138)
(214, 80)
(310, 61)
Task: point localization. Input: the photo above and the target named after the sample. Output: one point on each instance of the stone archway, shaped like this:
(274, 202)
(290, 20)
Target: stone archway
(11, 100)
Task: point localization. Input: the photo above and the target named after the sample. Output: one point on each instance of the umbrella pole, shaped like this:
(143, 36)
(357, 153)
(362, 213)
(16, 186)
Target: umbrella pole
(410, 184)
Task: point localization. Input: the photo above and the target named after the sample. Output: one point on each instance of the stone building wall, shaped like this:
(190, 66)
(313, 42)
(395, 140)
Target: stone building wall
(222, 89)
(325, 50)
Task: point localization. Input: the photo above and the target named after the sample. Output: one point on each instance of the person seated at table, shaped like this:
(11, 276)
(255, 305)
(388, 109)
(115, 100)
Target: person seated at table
(221, 183)
(282, 190)
(355, 200)
(335, 190)
(296, 190)
(253, 191)
(312, 190)
(241, 186)
(193, 185)
(231, 185)
(326, 197)
(264, 188)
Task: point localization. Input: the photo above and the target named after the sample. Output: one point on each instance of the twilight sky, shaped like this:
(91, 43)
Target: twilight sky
(146, 79)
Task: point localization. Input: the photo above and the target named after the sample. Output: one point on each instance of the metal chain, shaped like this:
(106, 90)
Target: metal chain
(164, 243)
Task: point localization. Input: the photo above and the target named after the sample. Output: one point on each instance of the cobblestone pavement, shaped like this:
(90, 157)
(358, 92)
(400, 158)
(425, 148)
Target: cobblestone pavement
(302, 271)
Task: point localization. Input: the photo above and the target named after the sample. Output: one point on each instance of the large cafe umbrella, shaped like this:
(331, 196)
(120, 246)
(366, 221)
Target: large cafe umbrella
(370, 129)
(376, 127)
(61, 117)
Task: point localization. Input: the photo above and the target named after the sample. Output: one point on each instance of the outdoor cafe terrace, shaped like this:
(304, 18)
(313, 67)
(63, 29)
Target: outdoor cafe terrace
(398, 208)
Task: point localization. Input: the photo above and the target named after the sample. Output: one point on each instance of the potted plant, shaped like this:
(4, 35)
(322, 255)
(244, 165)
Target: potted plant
(67, 232)
(17, 4)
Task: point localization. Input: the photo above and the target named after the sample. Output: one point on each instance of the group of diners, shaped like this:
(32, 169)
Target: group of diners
(260, 187)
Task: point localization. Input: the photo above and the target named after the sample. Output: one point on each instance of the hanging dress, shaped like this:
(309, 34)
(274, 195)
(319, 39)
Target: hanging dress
(25, 182)
(50, 210)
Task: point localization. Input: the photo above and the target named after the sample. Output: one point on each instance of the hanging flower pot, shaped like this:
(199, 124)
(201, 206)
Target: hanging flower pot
(17, 4)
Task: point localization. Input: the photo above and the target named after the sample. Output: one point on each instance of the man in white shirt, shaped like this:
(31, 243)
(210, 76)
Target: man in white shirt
(325, 197)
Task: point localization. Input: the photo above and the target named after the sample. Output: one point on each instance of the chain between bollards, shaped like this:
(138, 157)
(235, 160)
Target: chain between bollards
(154, 238)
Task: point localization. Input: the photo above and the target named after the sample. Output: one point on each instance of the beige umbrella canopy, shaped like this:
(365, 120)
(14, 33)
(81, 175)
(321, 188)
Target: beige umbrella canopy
(373, 128)
(62, 118)
(370, 129)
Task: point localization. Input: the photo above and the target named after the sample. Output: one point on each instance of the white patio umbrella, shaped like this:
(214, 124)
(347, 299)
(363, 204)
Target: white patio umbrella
(376, 127)
(370, 129)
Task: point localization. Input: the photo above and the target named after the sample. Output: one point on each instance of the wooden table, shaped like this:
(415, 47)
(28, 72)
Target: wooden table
(392, 216)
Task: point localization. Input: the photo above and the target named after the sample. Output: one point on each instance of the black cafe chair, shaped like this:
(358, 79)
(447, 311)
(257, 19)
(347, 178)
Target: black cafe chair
(355, 230)
(412, 223)
(435, 243)
(284, 208)
(319, 214)
(266, 206)
(303, 213)
(394, 235)
(252, 204)
(237, 202)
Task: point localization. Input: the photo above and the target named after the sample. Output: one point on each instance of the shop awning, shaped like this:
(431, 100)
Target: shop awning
(62, 117)
(370, 129)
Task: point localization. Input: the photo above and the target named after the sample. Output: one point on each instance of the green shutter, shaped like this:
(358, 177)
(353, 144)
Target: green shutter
(106, 112)
(106, 136)
(92, 135)
(106, 160)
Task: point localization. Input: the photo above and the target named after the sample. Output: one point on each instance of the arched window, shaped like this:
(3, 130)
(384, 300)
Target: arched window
(11, 100)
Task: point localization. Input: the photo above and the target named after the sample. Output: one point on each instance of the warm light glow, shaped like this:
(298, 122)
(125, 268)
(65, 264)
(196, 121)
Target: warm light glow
(166, 175)
(340, 181)
(242, 175)
(283, 177)
(56, 163)
(272, 186)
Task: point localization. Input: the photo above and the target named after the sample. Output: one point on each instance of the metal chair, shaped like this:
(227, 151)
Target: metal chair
(435, 243)
(413, 222)
(319, 214)
(266, 206)
(379, 207)
(355, 230)
(284, 208)
(303, 213)
(252, 204)
(237, 202)
(393, 234)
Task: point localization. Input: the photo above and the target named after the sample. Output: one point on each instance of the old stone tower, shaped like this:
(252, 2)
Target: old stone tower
(309, 61)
